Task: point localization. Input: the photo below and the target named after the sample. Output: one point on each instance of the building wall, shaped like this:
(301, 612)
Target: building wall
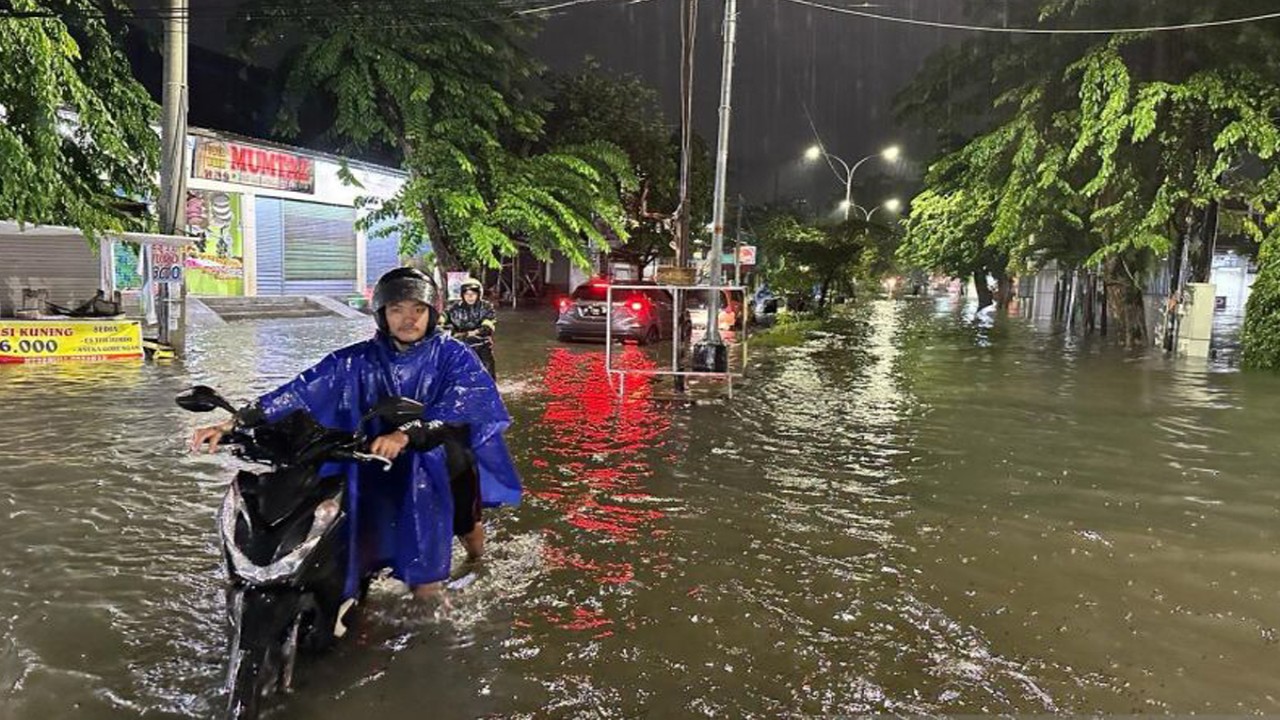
(66, 268)
(259, 240)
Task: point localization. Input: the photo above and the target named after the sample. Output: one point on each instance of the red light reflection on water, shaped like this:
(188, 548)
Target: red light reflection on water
(592, 471)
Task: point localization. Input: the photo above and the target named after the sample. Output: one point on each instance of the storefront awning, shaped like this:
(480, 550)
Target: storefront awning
(13, 229)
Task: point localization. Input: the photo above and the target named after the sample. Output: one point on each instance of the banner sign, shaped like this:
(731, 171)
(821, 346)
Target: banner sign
(166, 264)
(746, 256)
(51, 341)
(215, 259)
(232, 162)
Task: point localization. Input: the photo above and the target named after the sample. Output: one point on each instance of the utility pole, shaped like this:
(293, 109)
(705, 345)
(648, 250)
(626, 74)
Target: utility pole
(737, 247)
(688, 42)
(712, 354)
(173, 162)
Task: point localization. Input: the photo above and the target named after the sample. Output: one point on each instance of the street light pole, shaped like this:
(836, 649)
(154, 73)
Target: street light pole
(173, 161)
(890, 154)
(712, 354)
(848, 194)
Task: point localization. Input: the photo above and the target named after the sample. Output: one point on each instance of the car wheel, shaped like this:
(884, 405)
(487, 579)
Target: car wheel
(563, 338)
(651, 336)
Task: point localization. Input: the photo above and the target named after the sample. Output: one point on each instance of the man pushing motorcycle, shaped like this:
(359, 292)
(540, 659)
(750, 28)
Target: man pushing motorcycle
(448, 464)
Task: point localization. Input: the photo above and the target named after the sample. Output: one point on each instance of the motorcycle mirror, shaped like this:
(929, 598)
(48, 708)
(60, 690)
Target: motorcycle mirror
(397, 411)
(203, 399)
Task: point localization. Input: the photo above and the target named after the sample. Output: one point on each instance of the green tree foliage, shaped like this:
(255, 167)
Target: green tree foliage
(1108, 152)
(75, 127)
(1262, 319)
(445, 84)
(800, 255)
(593, 106)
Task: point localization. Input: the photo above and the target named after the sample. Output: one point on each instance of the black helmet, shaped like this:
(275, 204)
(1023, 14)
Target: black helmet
(404, 284)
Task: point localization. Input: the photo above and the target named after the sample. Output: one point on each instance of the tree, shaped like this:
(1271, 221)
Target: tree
(949, 224)
(800, 255)
(1106, 152)
(592, 106)
(1262, 319)
(445, 84)
(75, 127)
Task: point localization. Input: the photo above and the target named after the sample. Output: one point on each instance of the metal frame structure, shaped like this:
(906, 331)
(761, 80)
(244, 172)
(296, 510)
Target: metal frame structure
(677, 292)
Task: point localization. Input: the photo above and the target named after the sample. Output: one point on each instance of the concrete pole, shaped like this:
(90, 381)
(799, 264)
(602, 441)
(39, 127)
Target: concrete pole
(688, 42)
(737, 248)
(173, 160)
(722, 170)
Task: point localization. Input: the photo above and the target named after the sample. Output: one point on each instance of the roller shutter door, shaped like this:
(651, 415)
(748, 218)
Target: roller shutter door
(269, 232)
(381, 254)
(305, 248)
(319, 249)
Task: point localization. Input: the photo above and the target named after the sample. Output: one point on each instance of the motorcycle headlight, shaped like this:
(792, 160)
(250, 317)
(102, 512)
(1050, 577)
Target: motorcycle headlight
(326, 514)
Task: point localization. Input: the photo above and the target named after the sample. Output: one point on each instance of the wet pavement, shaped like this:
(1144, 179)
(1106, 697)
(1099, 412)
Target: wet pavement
(919, 511)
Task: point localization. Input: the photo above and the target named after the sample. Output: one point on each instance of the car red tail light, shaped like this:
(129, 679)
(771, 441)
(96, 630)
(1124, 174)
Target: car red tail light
(637, 306)
(565, 304)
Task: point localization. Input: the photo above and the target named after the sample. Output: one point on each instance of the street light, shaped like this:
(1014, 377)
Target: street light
(893, 205)
(890, 154)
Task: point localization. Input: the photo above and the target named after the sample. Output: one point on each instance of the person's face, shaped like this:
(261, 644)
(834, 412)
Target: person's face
(408, 320)
(470, 296)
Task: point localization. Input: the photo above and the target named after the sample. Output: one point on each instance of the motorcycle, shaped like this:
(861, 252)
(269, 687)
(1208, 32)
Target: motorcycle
(284, 538)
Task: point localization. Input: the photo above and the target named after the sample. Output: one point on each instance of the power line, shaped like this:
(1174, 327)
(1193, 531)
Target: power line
(1037, 31)
(290, 10)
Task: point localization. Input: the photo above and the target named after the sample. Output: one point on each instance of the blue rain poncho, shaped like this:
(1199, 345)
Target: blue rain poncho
(403, 518)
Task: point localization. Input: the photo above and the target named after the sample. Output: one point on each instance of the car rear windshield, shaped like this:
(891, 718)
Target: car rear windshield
(699, 299)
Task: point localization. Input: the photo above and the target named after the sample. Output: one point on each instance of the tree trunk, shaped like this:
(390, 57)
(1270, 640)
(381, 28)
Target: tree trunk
(445, 260)
(1206, 238)
(1091, 302)
(1004, 288)
(1125, 304)
(1103, 310)
(982, 288)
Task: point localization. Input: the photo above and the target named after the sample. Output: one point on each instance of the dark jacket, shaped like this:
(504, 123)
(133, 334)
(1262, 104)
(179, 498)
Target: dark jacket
(479, 318)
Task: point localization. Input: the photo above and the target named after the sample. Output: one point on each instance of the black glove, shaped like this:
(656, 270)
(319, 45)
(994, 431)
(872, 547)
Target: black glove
(424, 435)
(250, 417)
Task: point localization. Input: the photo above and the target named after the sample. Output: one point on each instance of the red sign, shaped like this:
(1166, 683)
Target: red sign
(248, 165)
(746, 254)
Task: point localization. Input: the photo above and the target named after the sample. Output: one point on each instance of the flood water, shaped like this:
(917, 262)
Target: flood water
(919, 511)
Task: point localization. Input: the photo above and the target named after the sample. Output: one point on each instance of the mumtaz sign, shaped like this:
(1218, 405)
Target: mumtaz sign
(241, 164)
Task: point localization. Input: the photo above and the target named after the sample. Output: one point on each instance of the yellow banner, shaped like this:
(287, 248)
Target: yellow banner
(50, 341)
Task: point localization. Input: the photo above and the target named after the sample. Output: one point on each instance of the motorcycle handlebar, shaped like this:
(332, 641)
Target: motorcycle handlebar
(362, 457)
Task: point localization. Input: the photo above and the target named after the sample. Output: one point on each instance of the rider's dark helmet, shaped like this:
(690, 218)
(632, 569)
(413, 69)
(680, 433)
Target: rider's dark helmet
(404, 284)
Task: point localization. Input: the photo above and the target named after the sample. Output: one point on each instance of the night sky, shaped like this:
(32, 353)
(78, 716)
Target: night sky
(845, 69)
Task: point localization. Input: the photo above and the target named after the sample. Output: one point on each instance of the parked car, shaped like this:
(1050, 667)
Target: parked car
(766, 309)
(642, 316)
(730, 309)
